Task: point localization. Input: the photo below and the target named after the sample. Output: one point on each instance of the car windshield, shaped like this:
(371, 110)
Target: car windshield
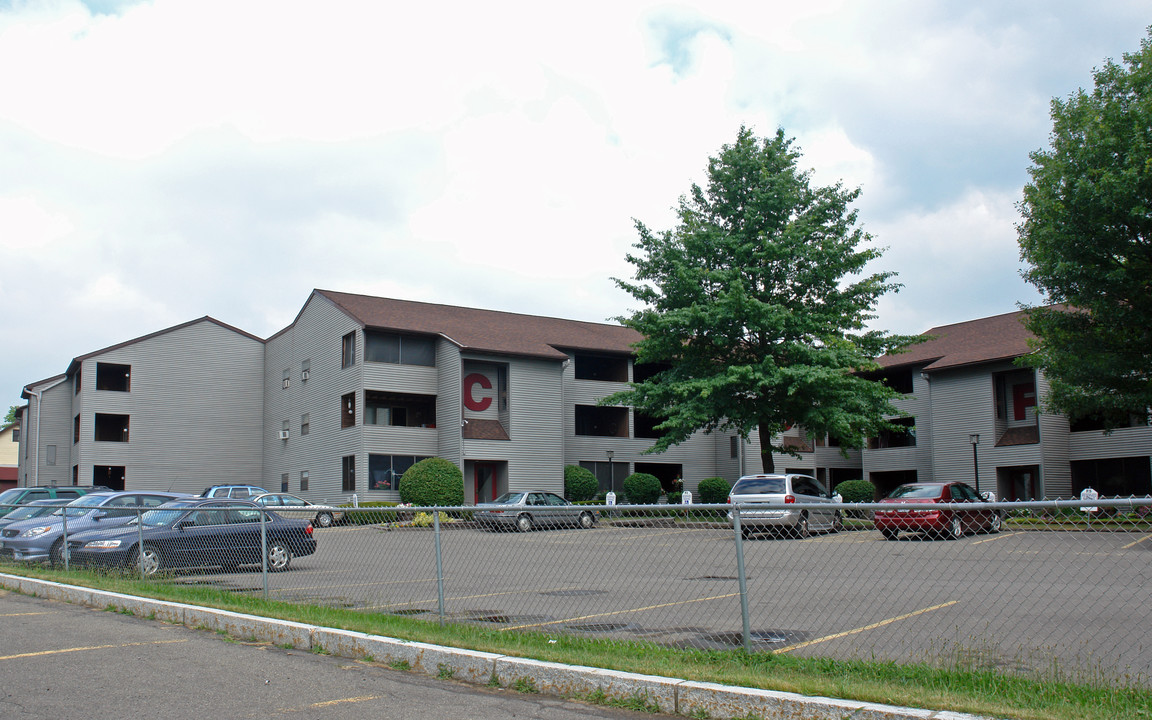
(81, 505)
(165, 515)
(917, 491)
(29, 511)
(10, 495)
(509, 498)
(759, 486)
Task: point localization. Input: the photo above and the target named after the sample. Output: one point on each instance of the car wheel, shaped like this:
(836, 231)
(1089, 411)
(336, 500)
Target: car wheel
(56, 554)
(524, 523)
(152, 562)
(802, 530)
(324, 520)
(279, 557)
(955, 528)
(586, 520)
(997, 522)
(890, 534)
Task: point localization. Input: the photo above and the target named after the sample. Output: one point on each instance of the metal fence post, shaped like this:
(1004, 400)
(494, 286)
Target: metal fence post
(140, 541)
(746, 628)
(264, 552)
(439, 566)
(64, 540)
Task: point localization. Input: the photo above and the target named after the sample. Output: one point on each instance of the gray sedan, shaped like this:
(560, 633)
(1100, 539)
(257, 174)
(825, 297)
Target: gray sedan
(525, 510)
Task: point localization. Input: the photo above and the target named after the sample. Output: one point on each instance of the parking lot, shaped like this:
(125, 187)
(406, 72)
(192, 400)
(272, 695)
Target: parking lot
(1035, 601)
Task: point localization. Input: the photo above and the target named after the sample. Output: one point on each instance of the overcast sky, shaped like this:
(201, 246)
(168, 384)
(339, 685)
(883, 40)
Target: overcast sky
(161, 161)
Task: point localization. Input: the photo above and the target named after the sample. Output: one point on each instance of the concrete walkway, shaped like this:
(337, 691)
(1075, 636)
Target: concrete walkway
(672, 695)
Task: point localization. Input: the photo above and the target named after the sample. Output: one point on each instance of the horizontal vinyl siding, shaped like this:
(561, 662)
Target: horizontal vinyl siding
(963, 402)
(316, 336)
(195, 410)
(449, 403)
(55, 429)
(535, 451)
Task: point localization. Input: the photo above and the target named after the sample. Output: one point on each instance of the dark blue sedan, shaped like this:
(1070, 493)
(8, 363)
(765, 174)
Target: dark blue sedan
(197, 533)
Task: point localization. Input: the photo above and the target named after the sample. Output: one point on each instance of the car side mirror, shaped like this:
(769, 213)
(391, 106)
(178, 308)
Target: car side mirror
(99, 514)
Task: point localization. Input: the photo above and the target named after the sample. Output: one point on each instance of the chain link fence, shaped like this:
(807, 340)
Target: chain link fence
(1055, 590)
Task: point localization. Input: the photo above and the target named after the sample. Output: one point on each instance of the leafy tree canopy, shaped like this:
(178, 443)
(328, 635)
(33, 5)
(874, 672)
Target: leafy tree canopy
(1086, 236)
(755, 307)
(11, 416)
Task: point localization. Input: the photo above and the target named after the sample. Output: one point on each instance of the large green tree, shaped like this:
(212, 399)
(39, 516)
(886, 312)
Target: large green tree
(755, 306)
(1086, 236)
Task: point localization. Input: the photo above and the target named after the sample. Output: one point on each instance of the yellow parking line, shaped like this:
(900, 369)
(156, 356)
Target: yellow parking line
(23, 614)
(873, 626)
(91, 647)
(998, 537)
(468, 597)
(1135, 543)
(329, 703)
(621, 612)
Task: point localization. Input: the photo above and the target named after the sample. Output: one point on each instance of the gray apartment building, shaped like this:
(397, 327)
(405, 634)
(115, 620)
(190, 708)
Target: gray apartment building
(358, 388)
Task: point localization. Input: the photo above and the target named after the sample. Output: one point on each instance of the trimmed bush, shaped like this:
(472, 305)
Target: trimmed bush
(432, 482)
(713, 490)
(642, 489)
(579, 483)
(856, 491)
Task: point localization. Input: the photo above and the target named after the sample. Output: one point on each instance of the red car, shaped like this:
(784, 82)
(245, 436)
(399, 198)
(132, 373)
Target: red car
(915, 511)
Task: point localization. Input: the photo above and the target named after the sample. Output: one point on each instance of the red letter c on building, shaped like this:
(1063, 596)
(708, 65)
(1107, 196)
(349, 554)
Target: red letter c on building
(472, 403)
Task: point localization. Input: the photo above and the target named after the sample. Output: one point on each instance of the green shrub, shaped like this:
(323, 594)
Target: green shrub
(432, 482)
(674, 497)
(713, 490)
(642, 489)
(371, 513)
(856, 491)
(579, 483)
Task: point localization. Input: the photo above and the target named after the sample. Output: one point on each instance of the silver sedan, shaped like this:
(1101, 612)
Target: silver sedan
(526, 510)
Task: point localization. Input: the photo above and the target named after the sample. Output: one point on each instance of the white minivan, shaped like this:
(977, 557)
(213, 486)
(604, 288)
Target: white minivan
(816, 511)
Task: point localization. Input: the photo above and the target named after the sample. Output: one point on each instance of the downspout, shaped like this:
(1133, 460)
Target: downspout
(36, 449)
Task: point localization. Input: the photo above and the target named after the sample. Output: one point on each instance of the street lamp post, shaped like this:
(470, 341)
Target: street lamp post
(974, 438)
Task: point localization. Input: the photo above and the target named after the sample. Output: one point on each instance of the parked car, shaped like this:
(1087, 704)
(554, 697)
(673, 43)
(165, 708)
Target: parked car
(34, 509)
(42, 538)
(13, 497)
(196, 532)
(784, 489)
(914, 511)
(289, 505)
(525, 510)
(240, 492)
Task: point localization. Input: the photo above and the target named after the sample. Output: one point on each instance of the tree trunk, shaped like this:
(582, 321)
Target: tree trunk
(766, 460)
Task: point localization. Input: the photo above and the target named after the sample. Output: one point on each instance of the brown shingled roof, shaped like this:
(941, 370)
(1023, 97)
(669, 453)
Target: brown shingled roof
(486, 331)
(1000, 337)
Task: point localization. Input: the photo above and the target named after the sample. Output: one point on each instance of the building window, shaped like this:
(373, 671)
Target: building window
(645, 426)
(399, 410)
(305, 424)
(734, 446)
(114, 377)
(348, 410)
(905, 436)
(79, 373)
(15, 434)
(284, 482)
(50, 455)
(76, 429)
(111, 428)
(284, 430)
(400, 349)
(601, 421)
(384, 471)
(606, 368)
(305, 370)
(348, 474)
(303, 481)
(348, 350)
(287, 380)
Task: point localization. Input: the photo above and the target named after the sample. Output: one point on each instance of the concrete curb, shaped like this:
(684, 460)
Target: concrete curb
(666, 695)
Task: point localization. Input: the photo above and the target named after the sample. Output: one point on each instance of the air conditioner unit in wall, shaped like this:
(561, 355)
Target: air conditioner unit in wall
(283, 434)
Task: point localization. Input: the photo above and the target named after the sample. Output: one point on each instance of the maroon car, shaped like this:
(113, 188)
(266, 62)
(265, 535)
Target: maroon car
(914, 510)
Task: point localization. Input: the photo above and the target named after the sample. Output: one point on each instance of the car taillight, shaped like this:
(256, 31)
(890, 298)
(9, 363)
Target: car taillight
(789, 499)
(308, 529)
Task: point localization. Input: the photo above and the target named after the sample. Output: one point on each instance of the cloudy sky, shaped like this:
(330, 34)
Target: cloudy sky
(165, 160)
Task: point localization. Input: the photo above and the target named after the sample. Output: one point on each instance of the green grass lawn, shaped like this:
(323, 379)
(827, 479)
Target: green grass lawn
(962, 689)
